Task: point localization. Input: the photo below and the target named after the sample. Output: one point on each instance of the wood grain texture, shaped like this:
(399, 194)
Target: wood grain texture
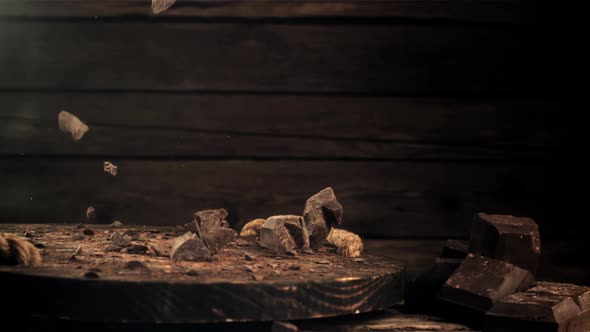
(300, 127)
(380, 198)
(358, 59)
(222, 291)
(504, 11)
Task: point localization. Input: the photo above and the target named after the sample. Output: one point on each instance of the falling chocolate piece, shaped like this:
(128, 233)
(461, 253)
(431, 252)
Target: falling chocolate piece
(580, 294)
(90, 213)
(189, 247)
(508, 238)
(455, 249)
(69, 123)
(284, 233)
(159, 6)
(421, 293)
(110, 168)
(532, 310)
(481, 281)
(321, 212)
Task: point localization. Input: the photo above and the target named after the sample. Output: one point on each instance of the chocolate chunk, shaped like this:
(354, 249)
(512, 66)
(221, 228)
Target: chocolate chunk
(189, 247)
(455, 249)
(69, 123)
(421, 293)
(88, 232)
(208, 219)
(90, 215)
(248, 257)
(159, 6)
(110, 168)
(137, 249)
(91, 275)
(321, 211)
(507, 238)
(192, 273)
(532, 310)
(282, 234)
(217, 238)
(119, 240)
(481, 281)
(580, 294)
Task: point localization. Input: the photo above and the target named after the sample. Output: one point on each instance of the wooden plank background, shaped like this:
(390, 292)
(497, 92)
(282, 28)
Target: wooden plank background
(418, 113)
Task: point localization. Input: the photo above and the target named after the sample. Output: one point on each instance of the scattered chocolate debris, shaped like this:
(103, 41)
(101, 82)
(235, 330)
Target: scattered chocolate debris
(192, 272)
(91, 275)
(137, 249)
(508, 238)
(321, 212)
(322, 262)
(39, 245)
(88, 232)
(189, 247)
(110, 168)
(119, 240)
(133, 265)
(112, 248)
(257, 276)
(69, 123)
(80, 226)
(132, 234)
(77, 237)
(295, 267)
(28, 234)
(155, 249)
(248, 257)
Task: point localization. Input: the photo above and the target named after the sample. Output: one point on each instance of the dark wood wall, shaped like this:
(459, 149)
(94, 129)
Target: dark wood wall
(417, 113)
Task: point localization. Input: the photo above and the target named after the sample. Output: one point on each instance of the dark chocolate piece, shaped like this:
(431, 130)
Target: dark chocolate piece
(282, 234)
(189, 247)
(120, 240)
(532, 310)
(455, 249)
(321, 212)
(508, 238)
(481, 281)
(421, 293)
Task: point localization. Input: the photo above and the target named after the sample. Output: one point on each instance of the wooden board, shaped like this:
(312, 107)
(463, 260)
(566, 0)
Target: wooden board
(300, 127)
(292, 287)
(381, 198)
(504, 11)
(291, 58)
